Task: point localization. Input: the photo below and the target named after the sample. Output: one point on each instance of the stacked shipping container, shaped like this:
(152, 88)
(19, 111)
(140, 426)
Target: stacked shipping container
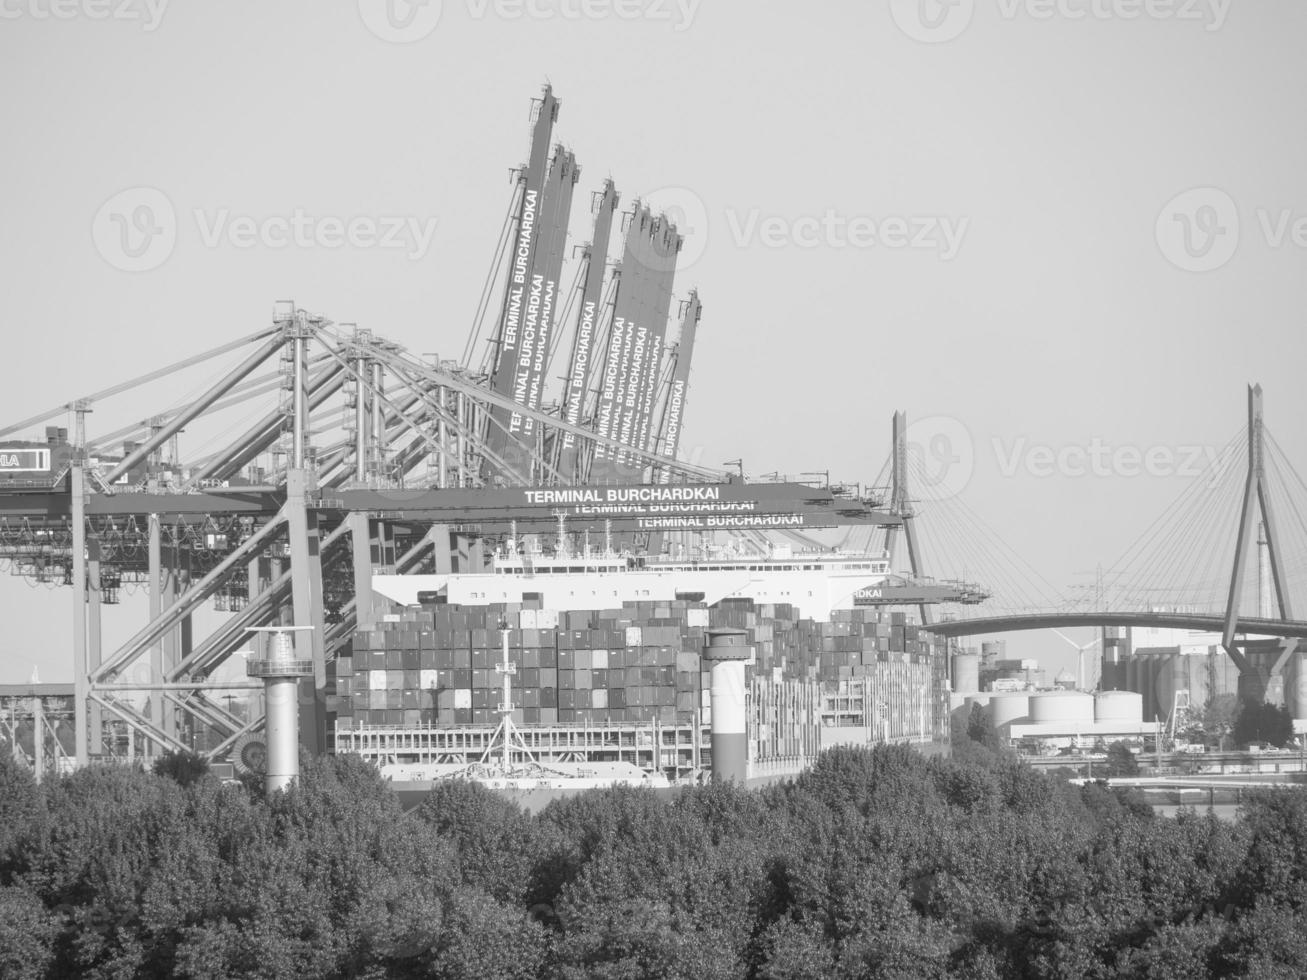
(639, 664)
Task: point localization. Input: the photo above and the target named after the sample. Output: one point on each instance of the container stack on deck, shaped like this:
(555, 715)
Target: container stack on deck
(639, 664)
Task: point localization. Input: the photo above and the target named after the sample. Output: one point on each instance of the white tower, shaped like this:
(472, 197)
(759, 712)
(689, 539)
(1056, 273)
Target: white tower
(281, 716)
(727, 653)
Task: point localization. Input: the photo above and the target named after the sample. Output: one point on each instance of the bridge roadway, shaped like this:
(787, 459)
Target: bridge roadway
(1207, 622)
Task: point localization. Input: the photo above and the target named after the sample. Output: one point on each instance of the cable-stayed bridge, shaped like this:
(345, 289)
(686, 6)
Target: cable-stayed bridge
(1226, 556)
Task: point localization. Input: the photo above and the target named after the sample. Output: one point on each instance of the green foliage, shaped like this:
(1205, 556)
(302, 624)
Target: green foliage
(27, 934)
(182, 767)
(1212, 724)
(493, 837)
(1261, 722)
(21, 808)
(875, 863)
(980, 728)
(1121, 761)
(482, 939)
(1220, 712)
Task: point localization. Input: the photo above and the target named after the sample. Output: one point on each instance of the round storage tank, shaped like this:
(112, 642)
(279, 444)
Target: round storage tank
(1061, 708)
(966, 673)
(1124, 706)
(1006, 708)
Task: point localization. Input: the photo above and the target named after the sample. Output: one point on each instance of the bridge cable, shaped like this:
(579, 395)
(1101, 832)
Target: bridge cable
(957, 540)
(1221, 547)
(1139, 555)
(1195, 533)
(1140, 550)
(1044, 591)
(1187, 533)
(958, 532)
(1295, 531)
(995, 558)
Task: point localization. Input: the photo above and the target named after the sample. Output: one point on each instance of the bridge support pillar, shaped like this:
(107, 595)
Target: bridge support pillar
(1261, 674)
(1258, 686)
(1272, 672)
(1295, 675)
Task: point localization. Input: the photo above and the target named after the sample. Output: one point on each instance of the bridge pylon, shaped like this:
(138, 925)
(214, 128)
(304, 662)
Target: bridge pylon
(1261, 671)
(901, 505)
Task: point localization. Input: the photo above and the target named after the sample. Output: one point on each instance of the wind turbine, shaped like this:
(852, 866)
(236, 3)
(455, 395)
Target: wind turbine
(1080, 656)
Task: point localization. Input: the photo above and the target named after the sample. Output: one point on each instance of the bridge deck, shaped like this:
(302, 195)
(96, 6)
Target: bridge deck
(1037, 621)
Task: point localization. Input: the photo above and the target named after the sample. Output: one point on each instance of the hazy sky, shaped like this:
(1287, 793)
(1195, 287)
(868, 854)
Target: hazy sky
(975, 213)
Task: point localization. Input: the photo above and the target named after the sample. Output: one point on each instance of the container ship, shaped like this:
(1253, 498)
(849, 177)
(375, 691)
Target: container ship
(605, 652)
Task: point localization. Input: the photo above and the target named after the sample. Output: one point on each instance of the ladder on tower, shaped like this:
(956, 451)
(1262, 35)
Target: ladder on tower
(1180, 709)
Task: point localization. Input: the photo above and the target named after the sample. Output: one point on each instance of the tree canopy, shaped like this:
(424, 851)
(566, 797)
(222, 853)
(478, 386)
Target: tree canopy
(1121, 761)
(1259, 722)
(874, 863)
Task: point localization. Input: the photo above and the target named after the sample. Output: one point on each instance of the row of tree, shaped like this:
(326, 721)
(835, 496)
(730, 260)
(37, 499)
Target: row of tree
(875, 863)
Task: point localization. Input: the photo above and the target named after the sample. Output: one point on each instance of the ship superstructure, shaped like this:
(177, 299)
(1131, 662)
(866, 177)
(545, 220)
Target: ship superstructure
(817, 581)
